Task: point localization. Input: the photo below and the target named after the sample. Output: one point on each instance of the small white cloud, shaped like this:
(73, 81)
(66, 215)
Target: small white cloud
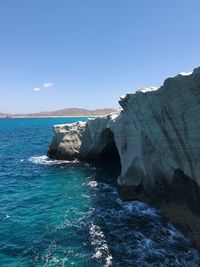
(43, 86)
(36, 89)
(47, 85)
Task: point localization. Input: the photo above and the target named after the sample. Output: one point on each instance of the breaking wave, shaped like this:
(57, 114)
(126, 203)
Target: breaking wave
(98, 241)
(59, 213)
(44, 160)
(133, 233)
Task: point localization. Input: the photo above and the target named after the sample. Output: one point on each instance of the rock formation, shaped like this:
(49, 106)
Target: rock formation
(66, 141)
(156, 136)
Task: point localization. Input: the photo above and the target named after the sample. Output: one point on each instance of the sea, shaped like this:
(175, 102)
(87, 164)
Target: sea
(61, 213)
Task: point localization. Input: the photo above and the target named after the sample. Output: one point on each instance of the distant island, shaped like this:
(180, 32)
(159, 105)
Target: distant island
(68, 112)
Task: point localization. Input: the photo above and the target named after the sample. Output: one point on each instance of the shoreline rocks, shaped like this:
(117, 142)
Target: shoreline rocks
(66, 141)
(156, 138)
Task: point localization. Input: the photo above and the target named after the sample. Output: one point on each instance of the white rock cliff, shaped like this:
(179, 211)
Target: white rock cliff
(156, 136)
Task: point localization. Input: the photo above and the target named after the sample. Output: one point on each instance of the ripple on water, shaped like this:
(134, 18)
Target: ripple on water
(136, 233)
(69, 213)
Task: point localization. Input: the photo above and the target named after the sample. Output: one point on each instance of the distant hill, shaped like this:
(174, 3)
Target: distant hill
(68, 112)
(2, 115)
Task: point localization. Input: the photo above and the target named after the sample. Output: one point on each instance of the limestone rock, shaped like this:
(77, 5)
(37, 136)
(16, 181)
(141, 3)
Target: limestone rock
(66, 141)
(156, 136)
(97, 139)
(156, 133)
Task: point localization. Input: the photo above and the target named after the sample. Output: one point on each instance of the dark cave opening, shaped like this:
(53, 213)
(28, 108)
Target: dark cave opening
(109, 153)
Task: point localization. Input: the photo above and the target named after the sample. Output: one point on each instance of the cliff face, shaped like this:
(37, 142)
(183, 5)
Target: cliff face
(156, 136)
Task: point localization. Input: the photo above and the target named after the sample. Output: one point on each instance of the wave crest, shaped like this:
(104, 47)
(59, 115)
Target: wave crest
(44, 160)
(98, 240)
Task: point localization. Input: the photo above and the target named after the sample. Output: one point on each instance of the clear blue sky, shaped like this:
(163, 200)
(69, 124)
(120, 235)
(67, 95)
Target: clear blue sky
(86, 53)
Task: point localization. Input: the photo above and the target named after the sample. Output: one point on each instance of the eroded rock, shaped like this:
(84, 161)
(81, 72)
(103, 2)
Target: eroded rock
(156, 136)
(66, 141)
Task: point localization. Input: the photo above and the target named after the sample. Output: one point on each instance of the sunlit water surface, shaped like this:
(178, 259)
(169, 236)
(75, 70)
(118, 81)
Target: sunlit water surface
(55, 213)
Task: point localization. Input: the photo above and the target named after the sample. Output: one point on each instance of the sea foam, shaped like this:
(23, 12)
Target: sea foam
(44, 160)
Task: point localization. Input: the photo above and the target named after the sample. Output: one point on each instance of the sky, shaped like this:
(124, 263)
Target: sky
(58, 54)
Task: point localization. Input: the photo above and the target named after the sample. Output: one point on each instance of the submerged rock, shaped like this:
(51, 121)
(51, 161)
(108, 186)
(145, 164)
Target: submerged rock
(156, 136)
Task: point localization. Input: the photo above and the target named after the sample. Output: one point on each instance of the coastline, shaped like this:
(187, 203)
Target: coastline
(155, 142)
(74, 203)
(63, 113)
(43, 117)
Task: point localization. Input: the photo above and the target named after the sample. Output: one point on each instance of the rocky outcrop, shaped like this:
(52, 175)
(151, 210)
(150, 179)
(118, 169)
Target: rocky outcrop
(156, 137)
(66, 141)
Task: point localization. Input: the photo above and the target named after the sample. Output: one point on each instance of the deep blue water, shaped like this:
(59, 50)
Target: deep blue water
(55, 213)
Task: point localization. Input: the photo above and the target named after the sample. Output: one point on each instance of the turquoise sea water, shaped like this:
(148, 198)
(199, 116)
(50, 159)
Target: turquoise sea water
(55, 213)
